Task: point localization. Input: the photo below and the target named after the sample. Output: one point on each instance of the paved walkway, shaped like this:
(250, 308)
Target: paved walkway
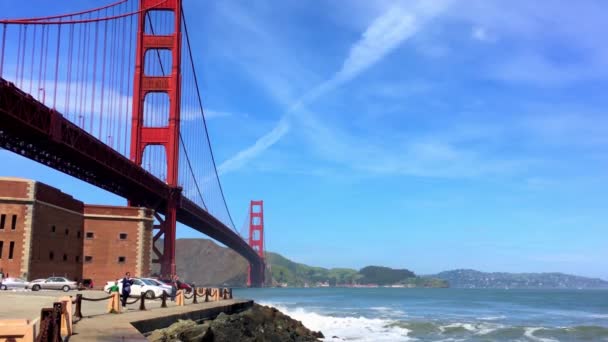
(27, 304)
(118, 327)
(97, 325)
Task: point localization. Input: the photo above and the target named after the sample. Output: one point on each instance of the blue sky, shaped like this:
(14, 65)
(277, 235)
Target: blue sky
(417, 134)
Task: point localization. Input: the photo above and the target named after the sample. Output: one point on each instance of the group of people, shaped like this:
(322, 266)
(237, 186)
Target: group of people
(127, 282)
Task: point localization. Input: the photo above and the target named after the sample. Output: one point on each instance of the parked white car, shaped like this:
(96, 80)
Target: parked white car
(52, 283)
(13, 284)
(139, 286)
(151, 281)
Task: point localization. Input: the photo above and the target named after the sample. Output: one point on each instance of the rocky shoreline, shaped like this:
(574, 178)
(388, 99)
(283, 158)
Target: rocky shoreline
(258, 323)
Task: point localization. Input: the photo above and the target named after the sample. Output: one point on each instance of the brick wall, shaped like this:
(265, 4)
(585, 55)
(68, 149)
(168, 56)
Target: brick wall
(56, 245)
(15, 194)
(11, 264)
(50, 235)
(113, 243)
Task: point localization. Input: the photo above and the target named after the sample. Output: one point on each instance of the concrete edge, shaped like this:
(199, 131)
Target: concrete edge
(147, 326)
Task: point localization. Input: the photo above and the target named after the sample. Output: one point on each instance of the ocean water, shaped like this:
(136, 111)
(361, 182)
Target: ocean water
(396, 314)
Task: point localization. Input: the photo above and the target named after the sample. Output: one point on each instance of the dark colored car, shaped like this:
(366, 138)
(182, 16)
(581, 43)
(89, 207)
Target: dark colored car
(86, 284)
(180, 285)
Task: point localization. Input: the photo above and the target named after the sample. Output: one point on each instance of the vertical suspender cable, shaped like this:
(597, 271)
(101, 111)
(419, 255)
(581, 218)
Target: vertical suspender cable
(4, 28)
(46, 54)
(23, 56)
(57, 64)
(103, 76)
(18, 53)
(94, 91)
(32, 59)
(42, 48)
(68, 96)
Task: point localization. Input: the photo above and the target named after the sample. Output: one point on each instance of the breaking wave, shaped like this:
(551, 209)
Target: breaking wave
(351, 328)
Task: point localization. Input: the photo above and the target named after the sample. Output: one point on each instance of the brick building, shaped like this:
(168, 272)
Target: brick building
(45, 232)
(116, 240)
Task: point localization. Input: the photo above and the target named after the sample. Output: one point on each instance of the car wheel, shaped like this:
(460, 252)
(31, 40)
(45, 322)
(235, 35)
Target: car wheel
(36, 288)
(65, 288)
(3, 287)
(150, 294)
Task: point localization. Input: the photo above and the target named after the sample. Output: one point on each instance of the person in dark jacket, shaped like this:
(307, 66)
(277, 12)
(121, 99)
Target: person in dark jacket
(174, 287)
(126, 288)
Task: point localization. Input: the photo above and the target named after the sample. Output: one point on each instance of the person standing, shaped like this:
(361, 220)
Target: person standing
(114, 288)
(174, 287)
(126, 288)
(1, 275)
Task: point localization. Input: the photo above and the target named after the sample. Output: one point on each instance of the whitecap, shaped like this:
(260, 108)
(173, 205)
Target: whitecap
(350, 328)
(529, 333)
(598, 316)
(474, 328)
(491, 318)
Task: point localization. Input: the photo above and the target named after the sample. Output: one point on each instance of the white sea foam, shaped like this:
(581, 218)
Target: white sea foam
(598, 316)
(491, 318)
(475, 328)
(529, 333)
(359, 329)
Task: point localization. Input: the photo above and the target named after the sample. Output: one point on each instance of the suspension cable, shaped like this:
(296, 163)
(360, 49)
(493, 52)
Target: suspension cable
(80, 21)
(200, 102)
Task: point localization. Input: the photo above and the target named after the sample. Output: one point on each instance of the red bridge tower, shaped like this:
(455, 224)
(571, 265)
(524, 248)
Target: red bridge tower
(256, 241)
(168, 135)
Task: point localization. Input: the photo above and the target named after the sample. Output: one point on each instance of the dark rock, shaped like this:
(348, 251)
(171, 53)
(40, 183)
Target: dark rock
(259, 323)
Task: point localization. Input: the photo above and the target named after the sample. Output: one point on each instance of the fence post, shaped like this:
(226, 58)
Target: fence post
(67, 315)
(164, 300)
(56, 322)
(195, 290)
(78, 310)
(113, 303)
(45, 333)
(142, 304)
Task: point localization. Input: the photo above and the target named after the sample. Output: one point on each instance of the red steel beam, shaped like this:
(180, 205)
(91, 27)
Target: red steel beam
(30, 129)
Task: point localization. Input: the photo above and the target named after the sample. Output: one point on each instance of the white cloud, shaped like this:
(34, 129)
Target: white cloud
(381, 37)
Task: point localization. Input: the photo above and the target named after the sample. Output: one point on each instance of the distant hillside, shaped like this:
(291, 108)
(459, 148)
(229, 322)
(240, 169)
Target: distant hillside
(383, 275)
(285, 271)
(475, 279)
(203, 262)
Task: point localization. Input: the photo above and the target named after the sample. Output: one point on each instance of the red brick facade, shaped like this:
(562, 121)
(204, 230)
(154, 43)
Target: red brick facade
(43, 232)
(116, 241)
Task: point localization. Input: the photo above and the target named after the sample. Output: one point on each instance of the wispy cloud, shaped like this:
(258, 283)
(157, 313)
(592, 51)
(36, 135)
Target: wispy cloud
(381, 37)
(242, 157)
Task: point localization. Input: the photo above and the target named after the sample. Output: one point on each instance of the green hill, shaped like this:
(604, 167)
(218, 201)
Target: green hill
(205, 263)
(287, 272)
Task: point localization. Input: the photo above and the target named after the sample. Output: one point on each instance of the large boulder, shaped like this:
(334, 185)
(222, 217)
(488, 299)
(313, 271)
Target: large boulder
(257, 324)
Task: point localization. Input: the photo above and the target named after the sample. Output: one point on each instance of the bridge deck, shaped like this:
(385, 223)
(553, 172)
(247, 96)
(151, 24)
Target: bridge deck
(31, 129)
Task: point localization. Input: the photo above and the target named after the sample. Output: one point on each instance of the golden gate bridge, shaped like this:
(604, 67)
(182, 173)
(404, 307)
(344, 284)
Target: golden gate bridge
(110, 95)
